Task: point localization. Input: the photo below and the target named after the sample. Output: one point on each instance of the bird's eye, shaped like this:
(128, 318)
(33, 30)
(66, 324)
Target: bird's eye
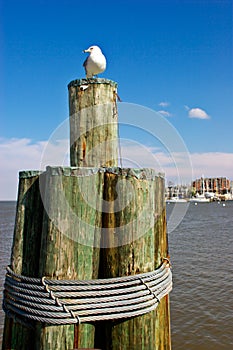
(91, 48)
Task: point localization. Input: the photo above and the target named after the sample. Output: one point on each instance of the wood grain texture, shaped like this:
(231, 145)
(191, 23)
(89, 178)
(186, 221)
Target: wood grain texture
(65, 215)
(57, 234)
(93, 123)
(136, 241)
(25, 251)
(70, 242)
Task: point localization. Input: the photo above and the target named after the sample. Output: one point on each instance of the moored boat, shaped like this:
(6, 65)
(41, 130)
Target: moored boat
(200, 198)
(176, 200)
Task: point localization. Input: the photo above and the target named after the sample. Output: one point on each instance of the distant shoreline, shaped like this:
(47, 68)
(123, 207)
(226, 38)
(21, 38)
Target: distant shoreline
(8, 200)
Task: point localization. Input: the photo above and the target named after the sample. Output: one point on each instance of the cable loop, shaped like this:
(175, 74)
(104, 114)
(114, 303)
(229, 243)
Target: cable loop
(60, 302)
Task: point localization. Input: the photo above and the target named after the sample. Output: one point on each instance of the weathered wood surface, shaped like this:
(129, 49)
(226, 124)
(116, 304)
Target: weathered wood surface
(57, 234)
(136, 241)
(61, 225)
(70, 242)
(93, 123)
(25, 251)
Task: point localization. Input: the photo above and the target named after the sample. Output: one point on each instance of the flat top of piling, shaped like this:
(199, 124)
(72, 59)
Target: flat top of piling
(143, 173)
(24, 174)
(79, 82)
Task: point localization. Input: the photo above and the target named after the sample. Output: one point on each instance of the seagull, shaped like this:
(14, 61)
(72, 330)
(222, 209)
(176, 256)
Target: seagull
(95, 63)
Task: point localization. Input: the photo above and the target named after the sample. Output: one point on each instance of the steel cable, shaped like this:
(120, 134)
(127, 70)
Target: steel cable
(75, 301)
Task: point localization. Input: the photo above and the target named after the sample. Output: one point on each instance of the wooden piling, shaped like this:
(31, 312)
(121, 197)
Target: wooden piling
(91, 220)
(25, 251)
(136, 242)
(70, 243)
(93, 123)
(57, 235)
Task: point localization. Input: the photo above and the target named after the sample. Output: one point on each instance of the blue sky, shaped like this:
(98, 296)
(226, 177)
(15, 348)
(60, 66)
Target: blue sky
(175, 57)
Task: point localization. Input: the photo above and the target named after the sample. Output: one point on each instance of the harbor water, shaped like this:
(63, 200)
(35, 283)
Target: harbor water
(201, 250)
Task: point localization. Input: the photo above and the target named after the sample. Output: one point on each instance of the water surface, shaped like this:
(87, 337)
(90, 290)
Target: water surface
(201, 250)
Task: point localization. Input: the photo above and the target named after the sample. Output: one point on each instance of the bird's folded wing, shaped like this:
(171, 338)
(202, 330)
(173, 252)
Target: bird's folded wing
(85, 64)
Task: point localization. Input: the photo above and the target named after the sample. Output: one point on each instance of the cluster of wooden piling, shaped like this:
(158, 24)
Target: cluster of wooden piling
(91, 220)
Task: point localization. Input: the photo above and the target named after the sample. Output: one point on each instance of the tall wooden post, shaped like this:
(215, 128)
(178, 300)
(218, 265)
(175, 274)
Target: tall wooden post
(93, 143)
(25, 251)
(93, 123)
(57, 235)
(70, 243)
(135, 242)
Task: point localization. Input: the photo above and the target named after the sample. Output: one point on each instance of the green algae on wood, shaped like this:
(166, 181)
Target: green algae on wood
(25, 251)
(93, 123)
(135, 241)
(70, 241)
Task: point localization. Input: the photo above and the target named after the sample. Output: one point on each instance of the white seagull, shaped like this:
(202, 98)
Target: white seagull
(95, 63)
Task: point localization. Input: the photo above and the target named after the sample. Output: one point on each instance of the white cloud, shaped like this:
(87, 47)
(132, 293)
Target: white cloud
(164, 104)
(22, 154)
(213, 164)
(198, 113)
(165, 113)
(174, 165)
(15, 155)
(162, 111)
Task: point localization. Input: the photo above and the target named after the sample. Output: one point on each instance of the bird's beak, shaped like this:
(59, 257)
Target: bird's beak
(86, 50)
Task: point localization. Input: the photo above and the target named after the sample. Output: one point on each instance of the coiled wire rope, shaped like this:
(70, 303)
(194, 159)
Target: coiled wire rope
(59, 302)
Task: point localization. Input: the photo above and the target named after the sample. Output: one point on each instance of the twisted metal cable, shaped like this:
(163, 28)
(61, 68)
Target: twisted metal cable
(74, 301)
